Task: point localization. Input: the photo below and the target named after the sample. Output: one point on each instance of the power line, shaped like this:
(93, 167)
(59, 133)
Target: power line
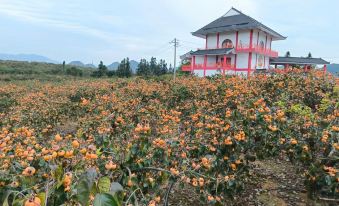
(160, 48)
(189, 42)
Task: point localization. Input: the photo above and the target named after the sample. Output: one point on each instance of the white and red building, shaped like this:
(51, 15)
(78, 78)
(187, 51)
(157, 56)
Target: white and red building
(234, 44)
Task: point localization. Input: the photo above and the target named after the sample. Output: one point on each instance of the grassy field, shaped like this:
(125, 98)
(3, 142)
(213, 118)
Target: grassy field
(217, 140)
(18, 70)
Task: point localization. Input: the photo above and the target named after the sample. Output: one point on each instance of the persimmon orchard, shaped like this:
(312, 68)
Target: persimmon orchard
(105, 142)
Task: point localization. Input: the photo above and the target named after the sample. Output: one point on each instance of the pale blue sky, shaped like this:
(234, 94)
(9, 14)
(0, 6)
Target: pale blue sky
(110, 30)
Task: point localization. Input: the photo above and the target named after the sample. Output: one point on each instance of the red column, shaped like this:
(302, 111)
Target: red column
(224, 65)
(205, 64)
(250, 55)
(325, 68)
(193, 64)
(235, 61)
(206, 42)
(251, 39)
(265, 52)
(236, 47)
(249, 64)
(218, 38)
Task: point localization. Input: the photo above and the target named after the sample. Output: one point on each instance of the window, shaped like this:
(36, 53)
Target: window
(260, 63)
(227, 44)
(262, 45)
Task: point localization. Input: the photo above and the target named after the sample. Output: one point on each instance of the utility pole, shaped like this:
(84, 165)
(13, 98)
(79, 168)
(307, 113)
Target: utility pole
(176, 45)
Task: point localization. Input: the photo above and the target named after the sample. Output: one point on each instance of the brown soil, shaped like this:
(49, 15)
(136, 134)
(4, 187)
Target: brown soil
(272, 183)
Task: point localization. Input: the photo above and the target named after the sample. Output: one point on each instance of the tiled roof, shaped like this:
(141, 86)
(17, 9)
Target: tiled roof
(297, 60)
(236, 22)
(213, 51)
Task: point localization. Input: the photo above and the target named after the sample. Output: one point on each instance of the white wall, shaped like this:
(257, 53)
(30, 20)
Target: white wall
(211, 60)
(244, 37)
(267, 62)
(242, 73)
(262, 37)
(269, 42)
(255, 37)
(254, 58)
(199, 60)
(242, 60)
(212, 41)
(212, 72)
(199, 73)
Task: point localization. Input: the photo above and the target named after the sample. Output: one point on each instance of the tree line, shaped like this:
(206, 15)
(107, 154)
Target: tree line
(288, 54)
(145, 68)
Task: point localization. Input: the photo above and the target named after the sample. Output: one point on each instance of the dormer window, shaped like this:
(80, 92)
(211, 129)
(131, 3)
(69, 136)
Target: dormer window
(227, 43)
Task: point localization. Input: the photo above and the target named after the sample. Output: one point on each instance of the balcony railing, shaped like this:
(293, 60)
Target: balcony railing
(186, 68)
(255, 48)
(208, 67)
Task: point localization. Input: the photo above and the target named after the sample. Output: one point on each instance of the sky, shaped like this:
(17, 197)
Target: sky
(110, 30)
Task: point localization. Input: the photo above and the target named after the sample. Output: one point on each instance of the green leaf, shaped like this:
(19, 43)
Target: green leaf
(18, 202)
(85, 185)
(5, 203)
(59, 197)
(58, 174)
(104, 184)
(98, 152)
(94, 190)
(328, 180)
(105, 199)
(42, 197)
(116, 187)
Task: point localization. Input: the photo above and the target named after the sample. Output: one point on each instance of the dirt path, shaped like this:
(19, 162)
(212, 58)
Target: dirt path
(272, 183)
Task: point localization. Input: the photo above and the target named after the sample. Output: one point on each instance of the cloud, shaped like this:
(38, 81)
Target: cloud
(42, 15)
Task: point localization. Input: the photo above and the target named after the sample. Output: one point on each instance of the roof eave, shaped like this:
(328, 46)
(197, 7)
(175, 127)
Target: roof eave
(198, 35)
(212, 52)
(281, 60)
(275, 35)
(277, 38)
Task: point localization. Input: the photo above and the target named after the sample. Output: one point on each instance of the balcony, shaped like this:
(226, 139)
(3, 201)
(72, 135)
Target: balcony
(219, 66)
(256, 49)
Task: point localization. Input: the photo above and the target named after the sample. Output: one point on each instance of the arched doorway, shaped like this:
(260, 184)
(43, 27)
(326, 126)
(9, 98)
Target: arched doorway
(227, 43)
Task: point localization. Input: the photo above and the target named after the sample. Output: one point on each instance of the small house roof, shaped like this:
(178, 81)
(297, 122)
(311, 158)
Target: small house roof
(235, 20)
(188, 55)
(212, 51)
(298, 60)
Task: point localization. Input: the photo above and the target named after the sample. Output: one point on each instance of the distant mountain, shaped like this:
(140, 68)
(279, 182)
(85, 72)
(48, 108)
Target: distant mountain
(90, 66)
(77, 63)
(27, 58)
(333, 68)
(134, 66)
(113, 66)
(80, 64)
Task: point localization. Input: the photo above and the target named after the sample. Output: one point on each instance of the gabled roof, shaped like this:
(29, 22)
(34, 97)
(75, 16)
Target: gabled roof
(235, 20)
(213, 51)
(298, 61)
